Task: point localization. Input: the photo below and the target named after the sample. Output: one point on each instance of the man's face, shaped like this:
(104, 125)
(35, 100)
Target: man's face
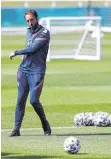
(31, 20)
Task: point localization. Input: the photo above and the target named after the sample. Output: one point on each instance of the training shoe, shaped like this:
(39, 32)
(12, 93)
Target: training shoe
(15, 133)
(46, 128)
(47, 133)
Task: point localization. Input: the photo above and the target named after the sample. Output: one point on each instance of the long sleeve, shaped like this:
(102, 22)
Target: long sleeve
(37, 42)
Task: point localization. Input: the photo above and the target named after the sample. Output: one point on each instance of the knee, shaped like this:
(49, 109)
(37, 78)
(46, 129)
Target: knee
(34, 102)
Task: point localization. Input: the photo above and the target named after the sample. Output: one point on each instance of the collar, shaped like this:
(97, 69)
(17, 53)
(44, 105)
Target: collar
(34, 30)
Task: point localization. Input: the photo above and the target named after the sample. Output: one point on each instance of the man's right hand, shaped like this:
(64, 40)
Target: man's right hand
(12, 54)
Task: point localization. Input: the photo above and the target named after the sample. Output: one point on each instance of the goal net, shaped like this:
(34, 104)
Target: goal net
(74, 37)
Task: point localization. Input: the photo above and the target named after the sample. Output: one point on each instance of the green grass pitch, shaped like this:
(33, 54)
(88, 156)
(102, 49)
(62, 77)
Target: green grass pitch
(50, 3)
(71, 86)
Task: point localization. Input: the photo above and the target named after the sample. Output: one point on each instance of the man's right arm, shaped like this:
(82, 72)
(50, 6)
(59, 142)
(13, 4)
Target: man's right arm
(37, 43)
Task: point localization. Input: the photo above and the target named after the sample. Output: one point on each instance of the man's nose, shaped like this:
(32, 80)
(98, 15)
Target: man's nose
(30, 23)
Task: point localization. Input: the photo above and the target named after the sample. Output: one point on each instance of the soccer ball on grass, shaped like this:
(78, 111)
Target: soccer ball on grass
(72, 145)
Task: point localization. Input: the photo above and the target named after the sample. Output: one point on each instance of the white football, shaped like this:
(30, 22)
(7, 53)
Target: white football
(101, 119)
(109, 120)
(78, 119)
(72, 145)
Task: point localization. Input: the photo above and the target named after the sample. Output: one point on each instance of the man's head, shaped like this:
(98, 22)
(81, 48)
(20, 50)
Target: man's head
(31, 17)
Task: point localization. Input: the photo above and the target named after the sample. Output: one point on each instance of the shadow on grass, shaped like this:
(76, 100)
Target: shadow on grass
(70, 134)
(84, 134)
(4, 154)
(36, 135)
(8, 155)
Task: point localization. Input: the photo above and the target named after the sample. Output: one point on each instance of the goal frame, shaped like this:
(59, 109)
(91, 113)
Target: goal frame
(77, 56)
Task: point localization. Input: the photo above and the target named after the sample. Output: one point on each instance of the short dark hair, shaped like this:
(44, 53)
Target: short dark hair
(31, 12)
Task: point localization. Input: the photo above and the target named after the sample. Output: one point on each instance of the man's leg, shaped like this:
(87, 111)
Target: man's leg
(23, 91)
(36, 84)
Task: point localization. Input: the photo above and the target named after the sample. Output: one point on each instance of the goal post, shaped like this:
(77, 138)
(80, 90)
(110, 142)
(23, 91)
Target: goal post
(74, 37)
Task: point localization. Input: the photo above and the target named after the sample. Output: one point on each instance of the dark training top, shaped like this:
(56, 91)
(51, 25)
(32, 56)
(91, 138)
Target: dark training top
(35, 53)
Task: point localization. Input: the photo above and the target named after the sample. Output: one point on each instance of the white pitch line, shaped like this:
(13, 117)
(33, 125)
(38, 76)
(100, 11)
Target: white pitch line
(23, 129)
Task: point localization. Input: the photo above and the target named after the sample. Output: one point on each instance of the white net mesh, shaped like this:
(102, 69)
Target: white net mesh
(72, 37)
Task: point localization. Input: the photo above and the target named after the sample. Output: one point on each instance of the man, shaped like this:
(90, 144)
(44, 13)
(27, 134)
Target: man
(30, 75)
